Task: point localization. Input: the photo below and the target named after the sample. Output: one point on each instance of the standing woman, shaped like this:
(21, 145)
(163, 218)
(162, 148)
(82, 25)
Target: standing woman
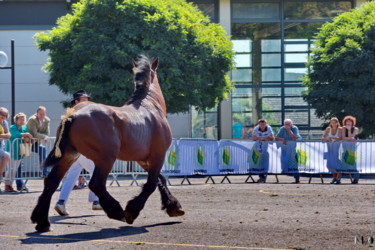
(332, 134)
(349, 132)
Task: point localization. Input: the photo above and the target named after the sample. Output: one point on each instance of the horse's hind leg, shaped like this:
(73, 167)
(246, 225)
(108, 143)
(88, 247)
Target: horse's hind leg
(97, 184)
(51, 182)
(135, 205)
(169, 202)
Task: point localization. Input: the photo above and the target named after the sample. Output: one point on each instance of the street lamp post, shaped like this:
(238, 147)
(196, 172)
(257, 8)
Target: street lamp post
(3, 63)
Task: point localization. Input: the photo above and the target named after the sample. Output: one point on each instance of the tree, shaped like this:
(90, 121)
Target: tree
(341, 78)
(92, 50)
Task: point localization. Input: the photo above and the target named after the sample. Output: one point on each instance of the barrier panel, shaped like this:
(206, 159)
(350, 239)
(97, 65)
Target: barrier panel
(188, 157)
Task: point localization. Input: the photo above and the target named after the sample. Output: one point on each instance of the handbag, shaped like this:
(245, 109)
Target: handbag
(25, 149)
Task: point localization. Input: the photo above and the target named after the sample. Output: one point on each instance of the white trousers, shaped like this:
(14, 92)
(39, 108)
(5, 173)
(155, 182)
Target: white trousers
(72, 177)
(11, 173)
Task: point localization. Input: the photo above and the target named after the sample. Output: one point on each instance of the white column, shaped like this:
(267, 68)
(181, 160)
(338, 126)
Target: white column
(226, 106)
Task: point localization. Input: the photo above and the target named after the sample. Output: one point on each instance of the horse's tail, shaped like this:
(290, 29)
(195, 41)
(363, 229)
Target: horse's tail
(62, 139)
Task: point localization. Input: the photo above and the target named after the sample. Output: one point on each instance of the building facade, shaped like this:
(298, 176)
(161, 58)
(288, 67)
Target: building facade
(271, 38)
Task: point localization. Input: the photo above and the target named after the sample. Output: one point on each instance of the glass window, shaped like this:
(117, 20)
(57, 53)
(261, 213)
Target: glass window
(204, 124)
(258, 31)
(271, 104)
(295, 101)
(271, 74)
(241, 104)
(241, 92)
(296, 47)
(274, 92)
(296, 58)
(271, 45)
(271, 60)
(299, 117)
(209, 8)
(273, 119)
(294, 74)
(248, 10)
(294, 91)
(301, 31)
(241, 75)
(243, 60)
(241, 125)
(315, 9)
(241, 46)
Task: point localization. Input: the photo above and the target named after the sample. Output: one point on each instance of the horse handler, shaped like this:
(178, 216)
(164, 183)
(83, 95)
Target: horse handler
(75, 170)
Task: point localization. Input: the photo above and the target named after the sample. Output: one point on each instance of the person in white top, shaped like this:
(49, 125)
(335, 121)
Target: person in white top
(262, 132)
(75, 170)
(333, 133)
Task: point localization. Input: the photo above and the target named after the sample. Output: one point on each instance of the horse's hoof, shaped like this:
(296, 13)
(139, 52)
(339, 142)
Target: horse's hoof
(43, 229)
(129, 218)
(176, 213)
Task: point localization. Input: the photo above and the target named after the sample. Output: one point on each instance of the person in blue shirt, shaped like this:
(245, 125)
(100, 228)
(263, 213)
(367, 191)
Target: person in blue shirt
(237, 130)
(262, 133)
(289, 132)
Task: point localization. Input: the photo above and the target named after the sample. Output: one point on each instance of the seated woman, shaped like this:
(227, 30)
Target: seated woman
(17, 130)
(332, 134)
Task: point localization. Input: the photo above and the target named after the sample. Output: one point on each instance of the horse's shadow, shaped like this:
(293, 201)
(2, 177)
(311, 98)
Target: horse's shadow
(105, 233)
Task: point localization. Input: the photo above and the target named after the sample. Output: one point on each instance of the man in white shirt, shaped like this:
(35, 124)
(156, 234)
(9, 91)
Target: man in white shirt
(75, 170)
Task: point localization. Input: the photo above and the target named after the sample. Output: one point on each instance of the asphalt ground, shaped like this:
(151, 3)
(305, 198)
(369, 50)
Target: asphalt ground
(218, 216)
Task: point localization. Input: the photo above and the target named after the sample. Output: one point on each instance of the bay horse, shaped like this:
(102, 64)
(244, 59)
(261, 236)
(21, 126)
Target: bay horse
(138, 131)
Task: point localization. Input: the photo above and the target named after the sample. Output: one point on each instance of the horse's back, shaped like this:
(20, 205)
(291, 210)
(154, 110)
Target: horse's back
(93, 132)
(121, 132)
(144, 133)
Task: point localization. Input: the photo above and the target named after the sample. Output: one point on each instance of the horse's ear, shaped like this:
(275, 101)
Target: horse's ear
(135, 64)
(155, 63)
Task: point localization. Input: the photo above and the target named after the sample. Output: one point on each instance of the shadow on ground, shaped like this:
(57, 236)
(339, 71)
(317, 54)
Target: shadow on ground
(107, 233)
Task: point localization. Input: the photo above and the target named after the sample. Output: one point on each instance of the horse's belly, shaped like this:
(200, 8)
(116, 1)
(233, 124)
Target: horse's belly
(133, 154)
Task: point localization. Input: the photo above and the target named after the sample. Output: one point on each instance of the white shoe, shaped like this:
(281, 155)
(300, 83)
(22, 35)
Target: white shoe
(96, 206)
(61, 210)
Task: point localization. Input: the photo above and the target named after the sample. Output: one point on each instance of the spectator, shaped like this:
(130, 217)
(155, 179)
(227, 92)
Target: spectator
(38, 127)
(75, 170)
(17, 130)
(4, 134)
(349, 132)
(288, 132)
(237, 129)
(331, 134)
(262, 132)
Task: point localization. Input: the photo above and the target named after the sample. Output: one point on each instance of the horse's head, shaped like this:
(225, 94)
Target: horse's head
(146, 81)
(144, 72)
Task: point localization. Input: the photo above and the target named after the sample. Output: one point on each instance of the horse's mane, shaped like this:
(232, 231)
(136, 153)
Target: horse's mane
(140, 73)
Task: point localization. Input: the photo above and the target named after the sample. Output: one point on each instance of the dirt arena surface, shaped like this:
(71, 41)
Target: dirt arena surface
(218, 216)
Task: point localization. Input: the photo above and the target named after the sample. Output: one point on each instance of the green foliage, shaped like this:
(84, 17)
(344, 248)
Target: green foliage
(341, 80)
(92, 50)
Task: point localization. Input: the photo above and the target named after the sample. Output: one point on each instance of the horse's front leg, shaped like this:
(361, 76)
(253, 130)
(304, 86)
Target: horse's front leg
(51, 182)
(135, 205)
(97, 184)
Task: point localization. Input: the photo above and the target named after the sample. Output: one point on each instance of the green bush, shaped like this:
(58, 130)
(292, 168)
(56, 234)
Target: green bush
(92, 50)
(341, 80)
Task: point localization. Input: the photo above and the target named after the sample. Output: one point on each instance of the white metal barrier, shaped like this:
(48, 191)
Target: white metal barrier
(188, 157)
